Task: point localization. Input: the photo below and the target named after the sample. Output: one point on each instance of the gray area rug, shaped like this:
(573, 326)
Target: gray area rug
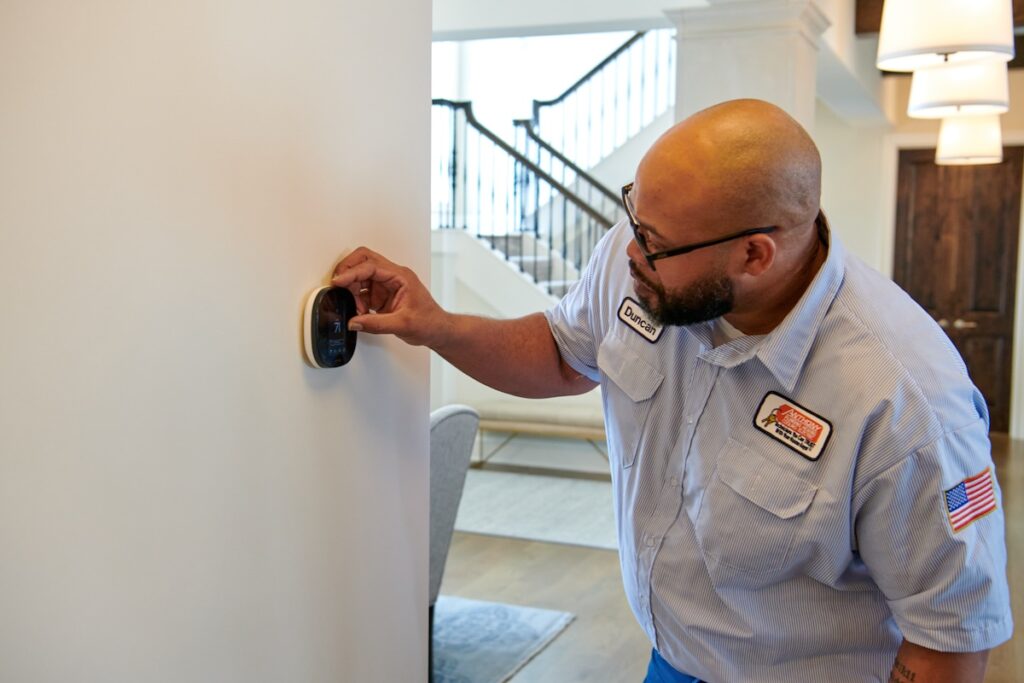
(538, 508)
(488, 642)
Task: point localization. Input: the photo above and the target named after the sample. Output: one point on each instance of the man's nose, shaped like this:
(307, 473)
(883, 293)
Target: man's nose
(636, 256)
(633, 251)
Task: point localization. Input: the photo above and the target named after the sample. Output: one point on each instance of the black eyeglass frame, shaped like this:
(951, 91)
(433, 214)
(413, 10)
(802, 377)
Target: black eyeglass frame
(651, 257)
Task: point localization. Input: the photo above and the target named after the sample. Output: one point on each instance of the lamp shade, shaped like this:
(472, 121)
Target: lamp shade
(917, 33)
(969, 88)
(970, 140)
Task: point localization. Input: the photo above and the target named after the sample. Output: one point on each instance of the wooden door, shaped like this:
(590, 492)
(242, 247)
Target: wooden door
(956, 254)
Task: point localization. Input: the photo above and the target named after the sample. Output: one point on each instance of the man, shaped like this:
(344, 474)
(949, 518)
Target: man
(800, 464)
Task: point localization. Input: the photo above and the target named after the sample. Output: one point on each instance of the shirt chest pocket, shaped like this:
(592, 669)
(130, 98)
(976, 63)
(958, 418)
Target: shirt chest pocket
(750, 513)
(627, 396)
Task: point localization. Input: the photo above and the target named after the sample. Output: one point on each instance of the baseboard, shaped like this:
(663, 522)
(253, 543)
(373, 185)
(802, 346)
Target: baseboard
(545, 471)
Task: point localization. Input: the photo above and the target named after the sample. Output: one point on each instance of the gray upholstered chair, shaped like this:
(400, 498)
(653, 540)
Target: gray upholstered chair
(452, 436)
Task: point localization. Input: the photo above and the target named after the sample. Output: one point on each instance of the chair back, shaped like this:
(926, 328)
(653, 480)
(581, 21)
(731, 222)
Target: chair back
(452, 436)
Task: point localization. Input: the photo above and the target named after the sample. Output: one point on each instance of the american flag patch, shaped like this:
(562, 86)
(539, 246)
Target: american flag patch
(972, 498)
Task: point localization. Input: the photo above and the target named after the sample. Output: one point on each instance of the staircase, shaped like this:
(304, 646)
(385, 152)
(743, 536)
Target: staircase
(533, 202)
(536, 259)
(495, 193)
(613, 102)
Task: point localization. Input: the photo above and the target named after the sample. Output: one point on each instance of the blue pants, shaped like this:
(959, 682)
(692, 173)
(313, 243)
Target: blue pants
(660, 671)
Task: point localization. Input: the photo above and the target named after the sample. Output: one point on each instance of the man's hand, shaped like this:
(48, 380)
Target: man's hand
(390, 299)
(517, 356)
(916, 664)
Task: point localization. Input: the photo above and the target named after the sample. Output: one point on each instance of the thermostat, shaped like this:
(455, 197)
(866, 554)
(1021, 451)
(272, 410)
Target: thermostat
(328, 341)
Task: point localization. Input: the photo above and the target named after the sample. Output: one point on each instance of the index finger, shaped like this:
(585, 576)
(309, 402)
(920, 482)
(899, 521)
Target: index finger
(367, 271)
(355, 257)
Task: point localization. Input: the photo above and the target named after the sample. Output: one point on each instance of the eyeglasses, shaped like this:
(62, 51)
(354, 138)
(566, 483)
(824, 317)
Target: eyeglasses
(641, 239)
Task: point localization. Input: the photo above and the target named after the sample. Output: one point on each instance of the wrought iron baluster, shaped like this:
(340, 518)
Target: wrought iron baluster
(515, 190)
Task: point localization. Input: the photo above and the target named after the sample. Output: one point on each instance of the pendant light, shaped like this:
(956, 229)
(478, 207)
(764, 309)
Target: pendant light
(918, 33)
(970, 140)
(980, 86)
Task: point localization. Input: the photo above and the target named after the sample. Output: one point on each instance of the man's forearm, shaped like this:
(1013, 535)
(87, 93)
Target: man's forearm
(517, 356)
(916, 664)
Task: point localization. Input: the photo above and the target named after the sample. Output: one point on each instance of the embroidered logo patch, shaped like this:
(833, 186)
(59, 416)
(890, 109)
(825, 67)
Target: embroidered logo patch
(631, 313)
(787, 421)
(971, 499)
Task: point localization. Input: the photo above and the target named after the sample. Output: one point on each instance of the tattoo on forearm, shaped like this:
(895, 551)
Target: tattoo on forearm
(901, 674)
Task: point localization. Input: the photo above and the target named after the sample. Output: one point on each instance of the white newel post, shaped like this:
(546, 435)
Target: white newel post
(765, 49)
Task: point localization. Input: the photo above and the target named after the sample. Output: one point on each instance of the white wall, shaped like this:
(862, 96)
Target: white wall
(852, 193)
(502, 77)
(469, 278)
(181, 498)
(847, 79)
(619, 167)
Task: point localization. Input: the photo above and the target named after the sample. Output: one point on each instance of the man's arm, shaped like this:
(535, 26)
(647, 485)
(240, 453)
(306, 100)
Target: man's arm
(516, 356)
(916, 664)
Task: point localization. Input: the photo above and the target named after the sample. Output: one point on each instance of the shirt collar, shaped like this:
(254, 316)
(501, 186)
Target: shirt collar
(786, 347)
(783, 350)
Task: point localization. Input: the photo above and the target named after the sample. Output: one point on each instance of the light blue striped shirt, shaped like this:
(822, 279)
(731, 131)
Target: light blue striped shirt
(780, 500)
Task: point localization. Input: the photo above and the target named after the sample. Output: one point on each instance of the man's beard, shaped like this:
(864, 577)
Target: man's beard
(704, 300)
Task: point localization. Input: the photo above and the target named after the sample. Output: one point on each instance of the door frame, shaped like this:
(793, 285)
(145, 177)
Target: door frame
(891, 145)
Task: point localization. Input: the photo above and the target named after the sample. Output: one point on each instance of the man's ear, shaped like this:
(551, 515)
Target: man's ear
(759, 255)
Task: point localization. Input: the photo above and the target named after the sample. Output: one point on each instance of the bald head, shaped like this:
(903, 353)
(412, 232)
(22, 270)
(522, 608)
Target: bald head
(743, 163)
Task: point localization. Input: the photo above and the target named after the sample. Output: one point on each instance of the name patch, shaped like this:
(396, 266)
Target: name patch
(787, 421)
(631, 313)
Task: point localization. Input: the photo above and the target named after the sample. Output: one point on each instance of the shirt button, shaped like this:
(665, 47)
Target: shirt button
(650, 541)
(689, 420)
(674, 482)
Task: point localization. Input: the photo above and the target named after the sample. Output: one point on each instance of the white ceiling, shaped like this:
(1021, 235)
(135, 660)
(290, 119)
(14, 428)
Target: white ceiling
(472, 19)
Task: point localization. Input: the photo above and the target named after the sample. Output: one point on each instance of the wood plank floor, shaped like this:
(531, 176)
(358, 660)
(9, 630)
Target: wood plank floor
(604, 644)
(1006, 665)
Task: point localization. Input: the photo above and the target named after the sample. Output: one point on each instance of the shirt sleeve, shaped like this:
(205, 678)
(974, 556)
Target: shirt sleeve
(573, 320)
(940, 565)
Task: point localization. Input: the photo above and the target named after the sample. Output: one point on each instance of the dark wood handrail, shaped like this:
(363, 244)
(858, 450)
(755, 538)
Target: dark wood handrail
(527, 125)
(471, 119)
(537, 104)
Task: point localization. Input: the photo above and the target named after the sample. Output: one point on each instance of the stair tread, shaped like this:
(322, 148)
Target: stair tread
(533, 257)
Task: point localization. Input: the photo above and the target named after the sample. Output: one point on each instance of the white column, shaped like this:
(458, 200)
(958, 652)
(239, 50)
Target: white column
(765, 49)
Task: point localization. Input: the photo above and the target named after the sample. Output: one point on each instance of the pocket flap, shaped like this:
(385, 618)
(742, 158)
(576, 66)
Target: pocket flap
(635, 376)
(764, 483)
